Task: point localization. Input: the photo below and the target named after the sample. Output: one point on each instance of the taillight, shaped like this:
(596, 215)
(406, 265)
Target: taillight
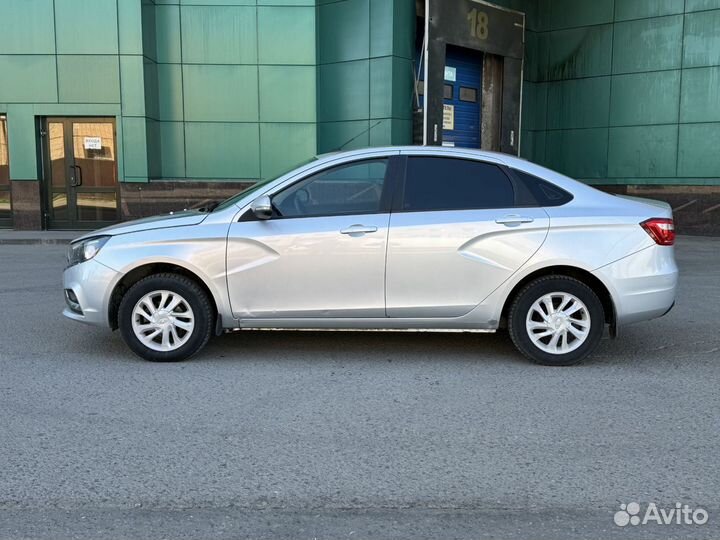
(662, 230)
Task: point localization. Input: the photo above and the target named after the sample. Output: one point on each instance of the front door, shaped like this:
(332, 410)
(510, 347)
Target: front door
(81, 184)
(321, 255)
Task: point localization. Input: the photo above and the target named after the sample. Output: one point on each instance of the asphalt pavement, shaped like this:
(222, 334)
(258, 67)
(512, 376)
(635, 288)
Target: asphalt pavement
(353, 435)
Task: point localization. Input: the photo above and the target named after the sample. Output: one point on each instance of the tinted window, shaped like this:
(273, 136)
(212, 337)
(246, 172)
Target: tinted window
(354, 188)
(435, 183)
(545, 193)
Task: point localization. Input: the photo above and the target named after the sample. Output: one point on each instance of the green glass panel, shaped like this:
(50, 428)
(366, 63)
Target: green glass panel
(573, 13)
(149, 39)
(532, 145)
(643, 151)
(170, 92)
(167, 34)
(630, 103)
(344, 91)
(130, 27)
(334, 136)
(172, 143)
(221, 93)
(641, 9)
(22, 138)
(154, 152)
(580, 52)
(283, 146)
(701, 5)
(135, 151)
(219, 34)
(88, 79)
(390, 131)
(152, 107)
(28, 79)
(220, 150)
(27, 27)
(286, 2)
(86, 26)
(578, 103)
(700, 100)
(132, 77)
(534, 107)
(578, 153)
(648, 44)
(287, 93)
(698, 154)
(382, 25)
(702, 39)
(216, 2)
(344, 31)
(381, 86)
(286, 35)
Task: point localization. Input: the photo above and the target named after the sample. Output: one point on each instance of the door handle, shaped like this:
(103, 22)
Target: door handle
(514, 219)
(73, 176)
(359, 229)
(78, 169)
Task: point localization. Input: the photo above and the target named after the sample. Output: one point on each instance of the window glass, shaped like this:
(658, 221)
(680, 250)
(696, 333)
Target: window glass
(4, 161)
(545, 193)
(5, 206)
(468, 94)
(354, 188)
(447, 91)
(437, 183)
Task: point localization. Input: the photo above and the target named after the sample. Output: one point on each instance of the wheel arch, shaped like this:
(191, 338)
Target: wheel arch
(142, 271)
(582, 275)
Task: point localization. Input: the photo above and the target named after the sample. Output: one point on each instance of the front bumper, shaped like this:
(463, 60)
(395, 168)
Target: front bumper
(644, 284)
(87, 287)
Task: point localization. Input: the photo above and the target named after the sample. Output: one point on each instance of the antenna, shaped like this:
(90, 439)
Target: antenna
(356, 136)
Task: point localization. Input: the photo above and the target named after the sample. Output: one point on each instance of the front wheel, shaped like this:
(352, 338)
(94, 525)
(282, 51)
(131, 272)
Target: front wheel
(556, 321)
(165, 318)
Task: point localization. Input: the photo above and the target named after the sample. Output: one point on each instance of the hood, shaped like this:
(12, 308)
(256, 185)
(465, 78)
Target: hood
(174, 219)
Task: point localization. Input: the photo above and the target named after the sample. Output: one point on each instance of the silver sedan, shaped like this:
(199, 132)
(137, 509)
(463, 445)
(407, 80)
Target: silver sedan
(415, 238)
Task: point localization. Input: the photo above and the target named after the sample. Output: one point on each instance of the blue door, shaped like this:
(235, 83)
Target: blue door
(462, 98)
(462, 92)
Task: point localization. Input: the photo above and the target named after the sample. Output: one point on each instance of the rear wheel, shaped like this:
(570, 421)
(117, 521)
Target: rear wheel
(165, 318)
(556, 321)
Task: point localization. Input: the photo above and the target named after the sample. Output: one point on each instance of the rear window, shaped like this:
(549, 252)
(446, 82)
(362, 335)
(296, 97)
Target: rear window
(545, 193)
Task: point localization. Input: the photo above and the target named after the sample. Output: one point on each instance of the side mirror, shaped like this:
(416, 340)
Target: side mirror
(262, 207)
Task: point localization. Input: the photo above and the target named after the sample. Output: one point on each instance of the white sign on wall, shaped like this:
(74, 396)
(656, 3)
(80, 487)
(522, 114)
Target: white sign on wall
(92, 143)
(450, 74)
(448, 117)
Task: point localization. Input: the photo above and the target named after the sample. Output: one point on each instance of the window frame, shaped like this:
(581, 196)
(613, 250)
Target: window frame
(7, 222)
(392, 178)
(399, 195)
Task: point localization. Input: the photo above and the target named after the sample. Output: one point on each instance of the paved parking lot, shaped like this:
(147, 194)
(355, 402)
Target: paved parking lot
(352, 435)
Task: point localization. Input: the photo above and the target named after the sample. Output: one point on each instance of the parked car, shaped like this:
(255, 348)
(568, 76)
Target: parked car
(413, 238)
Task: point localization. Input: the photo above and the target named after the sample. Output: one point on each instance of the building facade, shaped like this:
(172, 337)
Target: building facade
(114, 109)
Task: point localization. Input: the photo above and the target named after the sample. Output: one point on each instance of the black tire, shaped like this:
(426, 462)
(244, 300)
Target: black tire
(196, 297)
(534, 290)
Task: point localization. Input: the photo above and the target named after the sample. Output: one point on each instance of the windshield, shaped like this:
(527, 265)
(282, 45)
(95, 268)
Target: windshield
(257, 187)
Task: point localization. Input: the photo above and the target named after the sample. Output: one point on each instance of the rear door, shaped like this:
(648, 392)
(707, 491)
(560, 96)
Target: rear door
(456, 234)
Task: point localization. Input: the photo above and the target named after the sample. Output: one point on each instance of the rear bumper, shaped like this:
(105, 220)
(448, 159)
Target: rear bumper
(91, 284)
(643, 285)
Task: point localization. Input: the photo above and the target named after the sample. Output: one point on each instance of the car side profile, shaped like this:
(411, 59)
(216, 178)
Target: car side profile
(398, 238)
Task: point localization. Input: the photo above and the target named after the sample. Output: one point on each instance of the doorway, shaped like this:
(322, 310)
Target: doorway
(81, 185)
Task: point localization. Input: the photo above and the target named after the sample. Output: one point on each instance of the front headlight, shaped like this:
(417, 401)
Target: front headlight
(85, 250)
